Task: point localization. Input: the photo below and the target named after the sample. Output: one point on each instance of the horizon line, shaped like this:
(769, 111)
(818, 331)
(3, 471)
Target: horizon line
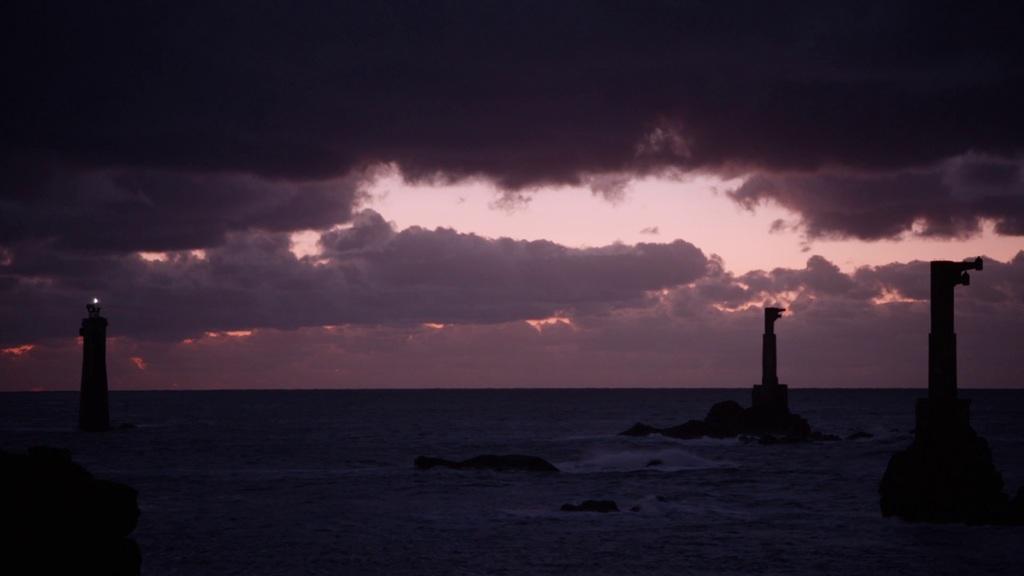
(494, 388)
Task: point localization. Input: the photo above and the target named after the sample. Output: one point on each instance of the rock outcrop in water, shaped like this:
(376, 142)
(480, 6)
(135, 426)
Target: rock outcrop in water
(768, 417)
(728, 419)
(58, 519)
(947, 474)
(953, 480)
(500, 463)
(603, 506)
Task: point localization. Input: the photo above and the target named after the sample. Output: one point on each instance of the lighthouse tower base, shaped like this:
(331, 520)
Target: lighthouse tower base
(947, 474)
(771, 399)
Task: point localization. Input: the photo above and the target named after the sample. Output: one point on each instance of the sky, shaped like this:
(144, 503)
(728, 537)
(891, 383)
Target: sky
(508, 194)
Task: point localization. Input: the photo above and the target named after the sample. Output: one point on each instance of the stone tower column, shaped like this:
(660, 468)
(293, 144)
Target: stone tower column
(770, 398)
(942, 413)
(93, 411)
(769, 362)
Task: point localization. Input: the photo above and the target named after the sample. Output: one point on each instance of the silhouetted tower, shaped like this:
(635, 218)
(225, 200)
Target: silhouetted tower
(93, 412)
(942, 412)
(770, 396)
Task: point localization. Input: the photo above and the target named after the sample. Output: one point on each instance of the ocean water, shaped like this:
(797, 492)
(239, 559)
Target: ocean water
(322, 482)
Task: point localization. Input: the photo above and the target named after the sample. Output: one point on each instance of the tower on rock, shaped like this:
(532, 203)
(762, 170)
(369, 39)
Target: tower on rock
(770, 397)
(947, 474)
(769, 416)
(93, 411)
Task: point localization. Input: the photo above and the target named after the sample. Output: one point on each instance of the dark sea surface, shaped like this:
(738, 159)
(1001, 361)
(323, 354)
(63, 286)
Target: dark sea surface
(322, 482)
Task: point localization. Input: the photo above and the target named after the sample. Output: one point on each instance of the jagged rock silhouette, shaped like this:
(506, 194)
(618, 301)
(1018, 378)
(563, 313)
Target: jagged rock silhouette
(59, 519)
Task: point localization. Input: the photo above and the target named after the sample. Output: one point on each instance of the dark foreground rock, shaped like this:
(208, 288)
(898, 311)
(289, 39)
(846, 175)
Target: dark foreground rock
(500, 463)
(948, 478)
(602, 506)
(58, 519)
(728, 419)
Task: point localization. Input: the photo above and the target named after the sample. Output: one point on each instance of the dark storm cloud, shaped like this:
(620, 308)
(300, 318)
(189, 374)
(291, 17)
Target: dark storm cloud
(125, 210)
(819, 278)
(822, 286)
(367, 274)
(527, 93)
(944, 200)
(507, 269)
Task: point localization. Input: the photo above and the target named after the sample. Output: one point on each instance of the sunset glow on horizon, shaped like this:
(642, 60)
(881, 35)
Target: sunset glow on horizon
(696, 209)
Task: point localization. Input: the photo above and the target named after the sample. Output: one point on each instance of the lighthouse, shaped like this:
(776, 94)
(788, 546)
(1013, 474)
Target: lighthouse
(93, 411)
